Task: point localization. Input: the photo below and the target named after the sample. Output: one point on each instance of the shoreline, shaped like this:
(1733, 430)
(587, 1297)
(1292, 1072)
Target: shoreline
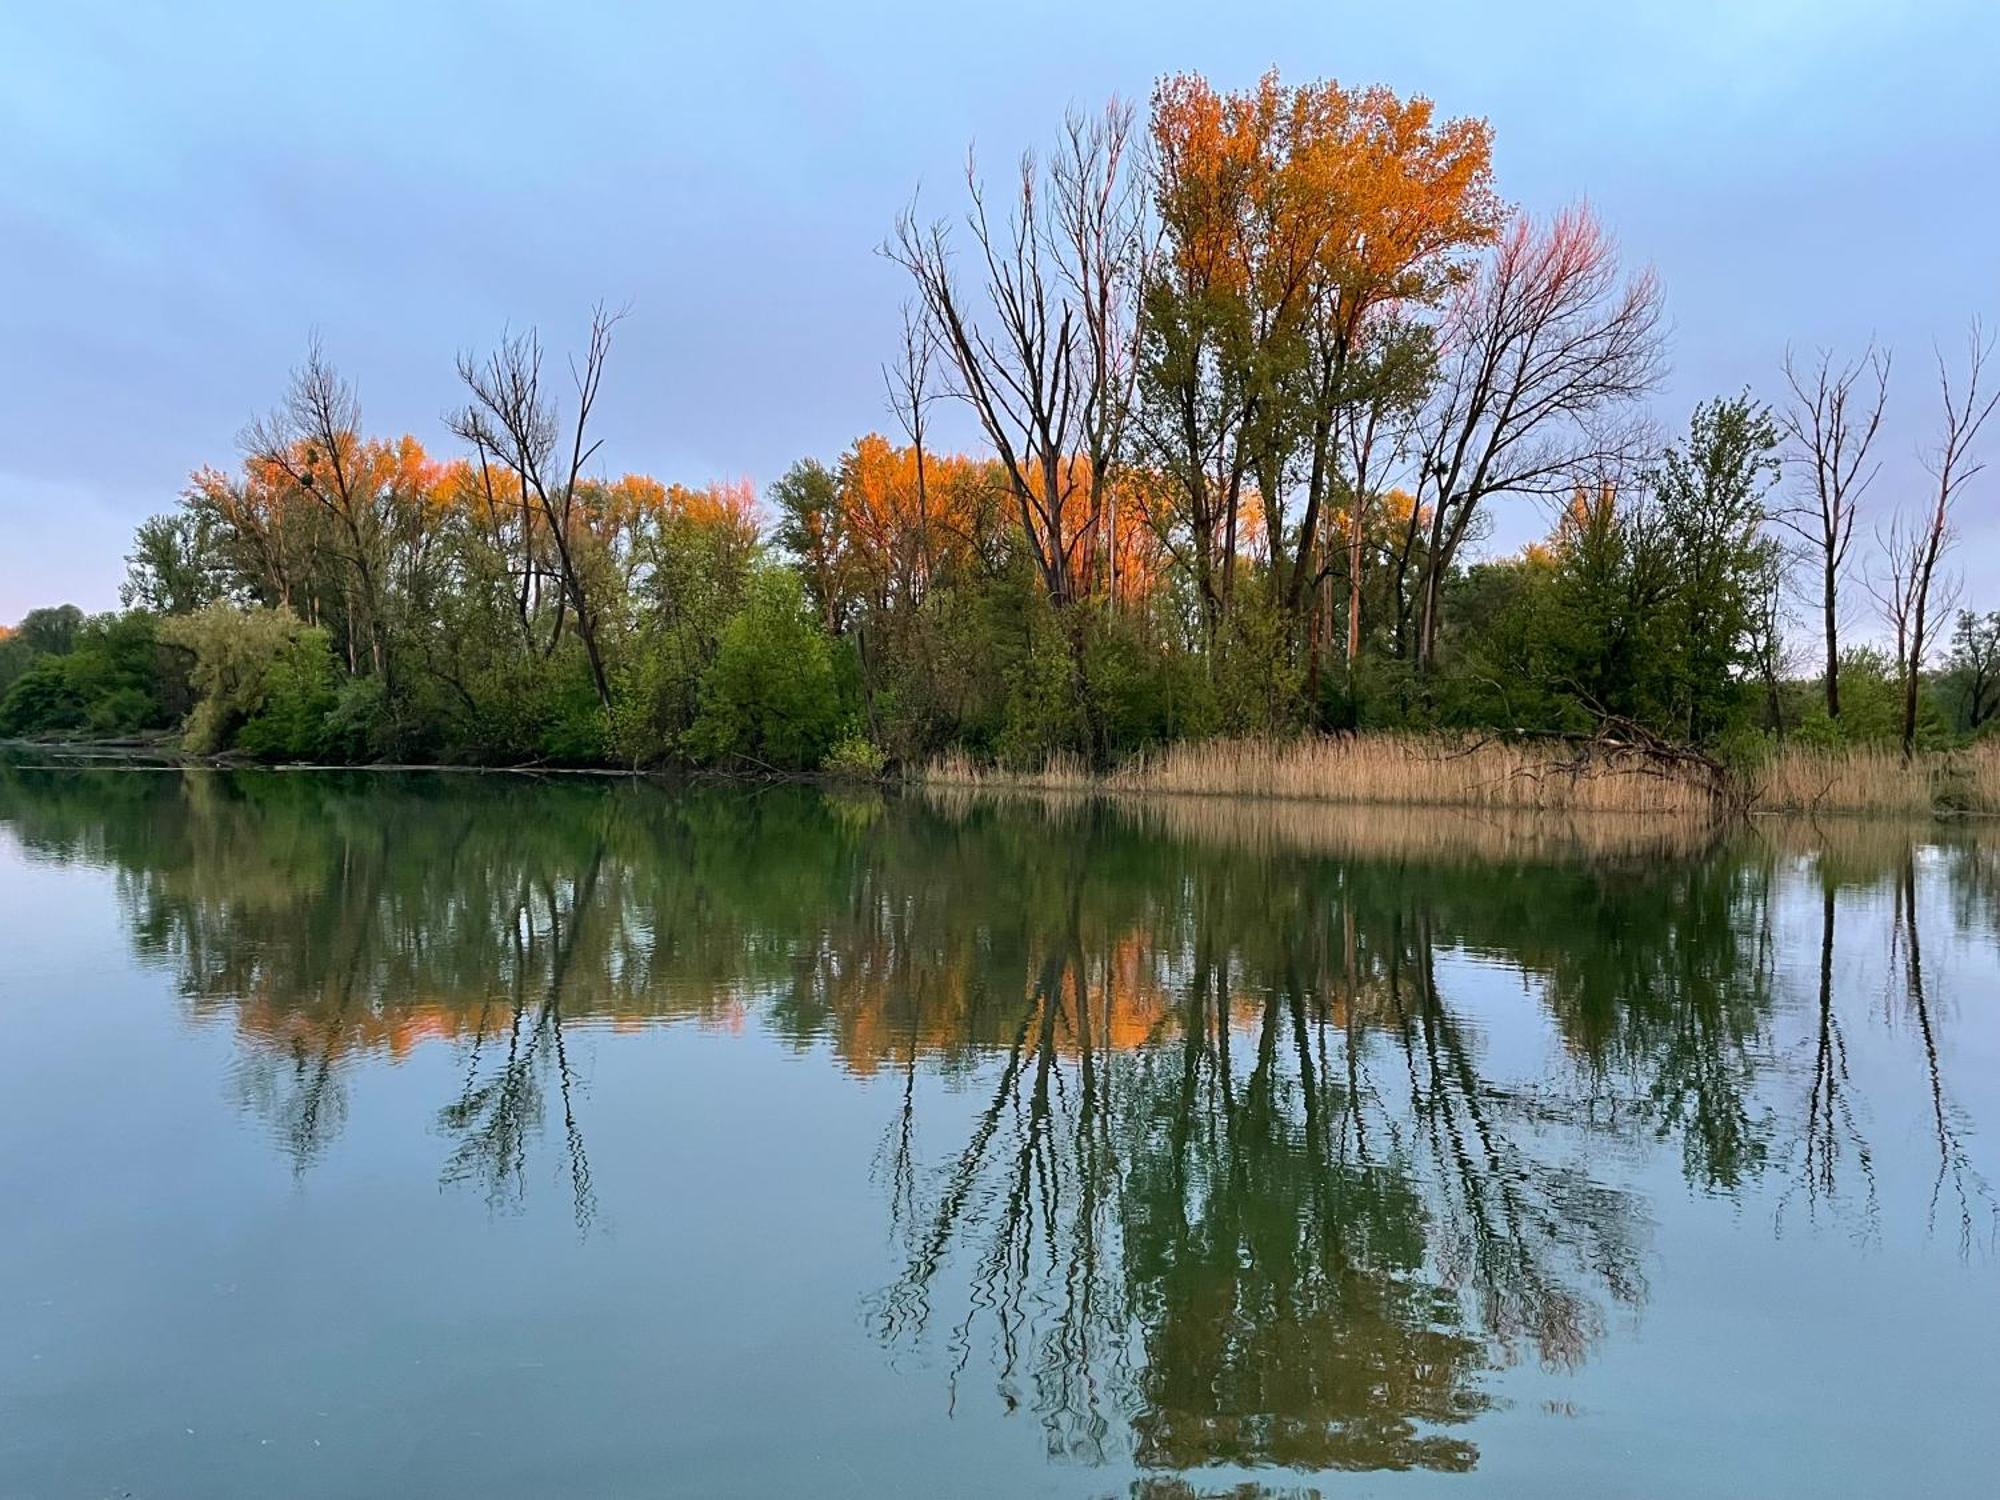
(1349, 771)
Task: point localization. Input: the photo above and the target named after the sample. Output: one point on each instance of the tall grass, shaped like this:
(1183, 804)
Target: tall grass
(1439, 771)
(1268, 827)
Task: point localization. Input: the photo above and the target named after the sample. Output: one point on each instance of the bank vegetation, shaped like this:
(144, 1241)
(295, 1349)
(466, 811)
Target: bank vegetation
(1254, 376)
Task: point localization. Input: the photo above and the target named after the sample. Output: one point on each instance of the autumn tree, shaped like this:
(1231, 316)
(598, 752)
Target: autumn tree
(312, 444)
(1829, 425)
(1302, 226)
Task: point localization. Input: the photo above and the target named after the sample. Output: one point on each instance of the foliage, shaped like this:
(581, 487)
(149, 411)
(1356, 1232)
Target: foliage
(264, 681)
(1970, 683)
(1247, 404)
(854, 756)
(770, 698)
(108, 678)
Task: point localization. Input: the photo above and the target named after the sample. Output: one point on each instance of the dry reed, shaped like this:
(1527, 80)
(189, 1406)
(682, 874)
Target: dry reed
(1268, 827)
(1520, 775)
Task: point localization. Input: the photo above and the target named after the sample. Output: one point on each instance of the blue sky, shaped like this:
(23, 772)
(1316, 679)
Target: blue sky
(187, 190)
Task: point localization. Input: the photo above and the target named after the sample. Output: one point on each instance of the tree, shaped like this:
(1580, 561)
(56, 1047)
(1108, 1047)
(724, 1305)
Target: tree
(260, 673)
(50, 632)
(512, 419)
(312, 442)
(809, 527)
(770, 697)
(173, 567)
(1829, 425)
(1972, 671)
(1910, 589)
(1710, 494)
(1044, 355)
(1301, 227)
(1540, 356)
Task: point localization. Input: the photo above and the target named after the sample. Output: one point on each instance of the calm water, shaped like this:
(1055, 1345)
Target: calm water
(453, 1136)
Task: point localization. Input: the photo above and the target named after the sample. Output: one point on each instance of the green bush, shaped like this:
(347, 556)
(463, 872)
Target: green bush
(770, 697)
(299, 695)
(854, 756)
(264, 679)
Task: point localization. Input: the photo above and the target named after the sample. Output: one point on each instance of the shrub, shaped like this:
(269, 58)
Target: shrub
(854, 756)
(770, 695)
(264, 680)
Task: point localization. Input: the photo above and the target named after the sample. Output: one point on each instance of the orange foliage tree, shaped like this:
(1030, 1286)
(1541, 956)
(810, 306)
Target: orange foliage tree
(1301, 226)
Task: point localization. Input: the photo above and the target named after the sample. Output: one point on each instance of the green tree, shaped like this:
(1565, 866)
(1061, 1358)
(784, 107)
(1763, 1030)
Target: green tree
(1711, 498)
(1970, 681)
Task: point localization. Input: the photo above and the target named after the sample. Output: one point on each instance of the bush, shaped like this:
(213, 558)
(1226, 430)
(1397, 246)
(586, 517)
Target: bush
(299, 697)
(770, 696)
(854, 756)
(265, 681)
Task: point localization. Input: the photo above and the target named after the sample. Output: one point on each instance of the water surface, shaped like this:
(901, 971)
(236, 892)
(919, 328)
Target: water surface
(492, 1137)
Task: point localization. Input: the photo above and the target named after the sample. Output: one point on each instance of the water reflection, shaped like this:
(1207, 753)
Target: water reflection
(1288, 1127)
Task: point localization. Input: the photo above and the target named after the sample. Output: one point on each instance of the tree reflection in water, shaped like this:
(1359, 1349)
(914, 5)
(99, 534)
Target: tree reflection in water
(1244, 1184)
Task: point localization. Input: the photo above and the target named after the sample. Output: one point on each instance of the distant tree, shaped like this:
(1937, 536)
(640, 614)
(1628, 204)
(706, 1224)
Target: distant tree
(174, 565)
(511, 418)
(1711, 497)
(1829, 425)
(1044, 353)
(313, 443)
(807, 499)
(771, 696)
(1972, 670)
(1303, 226)
(251, 665)
(1911, 588)
(50, 632)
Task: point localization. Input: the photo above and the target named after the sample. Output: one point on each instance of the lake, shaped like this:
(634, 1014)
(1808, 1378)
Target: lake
(458, 1135)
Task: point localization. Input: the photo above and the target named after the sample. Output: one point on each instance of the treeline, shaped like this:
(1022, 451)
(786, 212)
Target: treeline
(1251, 379)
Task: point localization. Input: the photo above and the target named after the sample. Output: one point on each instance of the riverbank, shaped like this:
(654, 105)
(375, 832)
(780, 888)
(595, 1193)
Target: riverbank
(1586, 776)
(1577, 777)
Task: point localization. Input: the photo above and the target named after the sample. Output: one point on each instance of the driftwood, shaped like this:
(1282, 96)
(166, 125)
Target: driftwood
(1619, 746)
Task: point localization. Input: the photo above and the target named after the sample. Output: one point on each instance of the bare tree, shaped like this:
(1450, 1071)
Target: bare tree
(1911, 590)
(1829, 426)
(908, 382)
(313, 440)
(1540, 354)
(511, 416)
(1047, 362)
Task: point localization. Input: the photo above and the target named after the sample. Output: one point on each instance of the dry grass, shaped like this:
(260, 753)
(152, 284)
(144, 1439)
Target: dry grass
(1513, 776)
(1267, 827)
(1878, 780)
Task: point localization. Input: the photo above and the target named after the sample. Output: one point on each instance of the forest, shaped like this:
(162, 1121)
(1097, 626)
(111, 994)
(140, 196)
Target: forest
(1253, 375)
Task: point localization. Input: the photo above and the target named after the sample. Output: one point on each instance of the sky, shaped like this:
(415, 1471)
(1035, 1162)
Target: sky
(189, 191)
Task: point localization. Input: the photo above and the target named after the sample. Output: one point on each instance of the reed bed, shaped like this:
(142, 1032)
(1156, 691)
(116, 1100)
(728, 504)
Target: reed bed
(1867, 779)
(1267, 827)
(1517, 775)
